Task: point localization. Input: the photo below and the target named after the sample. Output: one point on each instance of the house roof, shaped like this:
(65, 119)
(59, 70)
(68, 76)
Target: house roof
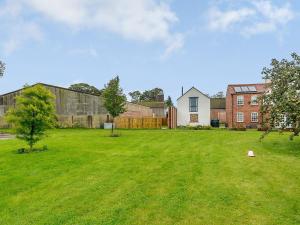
(246, 88)
(218, 103)
(152, 104)
(190, 90)
(49, 85)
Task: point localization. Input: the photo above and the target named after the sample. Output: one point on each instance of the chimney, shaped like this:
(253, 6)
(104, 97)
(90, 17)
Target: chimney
(182, 91)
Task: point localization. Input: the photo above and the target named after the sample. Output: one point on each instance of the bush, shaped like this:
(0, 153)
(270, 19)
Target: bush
(199, 127)
(238, 129)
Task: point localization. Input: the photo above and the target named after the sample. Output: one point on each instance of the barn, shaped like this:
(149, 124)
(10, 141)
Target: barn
(75, 108)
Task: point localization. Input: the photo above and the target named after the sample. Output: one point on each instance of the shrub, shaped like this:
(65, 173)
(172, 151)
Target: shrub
(33, 114)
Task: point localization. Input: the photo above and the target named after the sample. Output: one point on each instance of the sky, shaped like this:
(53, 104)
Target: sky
(148, 43)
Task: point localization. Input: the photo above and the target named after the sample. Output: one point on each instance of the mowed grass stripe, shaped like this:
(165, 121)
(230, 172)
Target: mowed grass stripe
(151, 177)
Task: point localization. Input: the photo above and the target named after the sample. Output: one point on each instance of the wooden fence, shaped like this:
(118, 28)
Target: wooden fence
(140, 123)
(172, 118)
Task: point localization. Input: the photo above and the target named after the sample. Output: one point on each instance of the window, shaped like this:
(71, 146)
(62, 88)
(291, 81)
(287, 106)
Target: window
(254, 100)
(254, 117)
(194, 118)
(240, 100)
(240, 117)
(193, 104)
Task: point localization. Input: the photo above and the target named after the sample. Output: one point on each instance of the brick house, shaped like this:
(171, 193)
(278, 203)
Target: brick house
(242, 106)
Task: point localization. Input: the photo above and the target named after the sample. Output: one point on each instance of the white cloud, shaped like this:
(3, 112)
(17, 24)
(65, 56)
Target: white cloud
(174, 45)
(142, 20)
(260, 16)
(219, 20)
(17, 30)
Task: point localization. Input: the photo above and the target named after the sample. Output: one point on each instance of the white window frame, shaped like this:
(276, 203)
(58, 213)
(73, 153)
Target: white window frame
(240, 100)
(252, 100)
(252, 116)
(240, 117)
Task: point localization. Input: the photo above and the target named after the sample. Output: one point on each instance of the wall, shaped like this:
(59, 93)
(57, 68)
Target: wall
(137, 111)
(218, 114)
(158, 112)
(183, 114)
(76, 109)
(232, 109)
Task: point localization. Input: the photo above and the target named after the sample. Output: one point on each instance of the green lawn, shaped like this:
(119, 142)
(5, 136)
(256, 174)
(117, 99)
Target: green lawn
(151, 177)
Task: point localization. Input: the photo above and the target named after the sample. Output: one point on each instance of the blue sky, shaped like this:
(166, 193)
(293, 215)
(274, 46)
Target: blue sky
(148, 43)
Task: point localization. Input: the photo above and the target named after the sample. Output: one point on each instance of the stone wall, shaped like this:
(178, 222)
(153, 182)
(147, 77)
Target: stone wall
(75, 109)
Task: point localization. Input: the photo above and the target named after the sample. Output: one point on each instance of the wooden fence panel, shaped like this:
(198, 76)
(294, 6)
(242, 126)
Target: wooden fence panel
(139, 123)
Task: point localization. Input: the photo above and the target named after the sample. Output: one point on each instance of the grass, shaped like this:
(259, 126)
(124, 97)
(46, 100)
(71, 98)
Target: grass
(151, 177)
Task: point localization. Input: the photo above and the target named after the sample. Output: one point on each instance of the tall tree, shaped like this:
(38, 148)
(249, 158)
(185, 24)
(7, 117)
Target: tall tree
(280, 105)
(2, 68)
(169, 102)
(114, 99)
(220, 94)
(152, 95)
(83, 87)
(135, 96)
(33, 114)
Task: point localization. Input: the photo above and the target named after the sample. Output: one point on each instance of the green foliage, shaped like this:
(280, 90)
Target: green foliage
(2, 68)
(135, 96)
(114, 98)
(86, 88)
(280, 105)
(169, 102)
(33, 115)
(154, 95)
(198, 127)
(220, 94)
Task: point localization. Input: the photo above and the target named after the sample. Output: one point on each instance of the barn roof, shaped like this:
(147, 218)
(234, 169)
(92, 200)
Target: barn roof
(218, 103)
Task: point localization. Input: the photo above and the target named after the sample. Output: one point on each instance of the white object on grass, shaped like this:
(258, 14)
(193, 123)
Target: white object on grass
(251, 154)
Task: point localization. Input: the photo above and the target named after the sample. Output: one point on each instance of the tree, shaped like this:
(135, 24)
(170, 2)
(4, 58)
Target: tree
(152, 95)
(280, 104)
(2, 68)
(169, 102)
(114, 99)
(135, 96)
(33, 114)
(220, 94)
(155, 94)
(86, 88)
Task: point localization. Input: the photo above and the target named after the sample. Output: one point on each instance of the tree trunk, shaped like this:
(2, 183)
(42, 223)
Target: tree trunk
(112, 126)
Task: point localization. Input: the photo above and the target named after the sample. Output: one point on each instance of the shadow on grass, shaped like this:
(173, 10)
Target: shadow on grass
(281, 146)
(34, 150)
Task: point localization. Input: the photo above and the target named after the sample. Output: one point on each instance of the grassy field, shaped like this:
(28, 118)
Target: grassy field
(151, 177)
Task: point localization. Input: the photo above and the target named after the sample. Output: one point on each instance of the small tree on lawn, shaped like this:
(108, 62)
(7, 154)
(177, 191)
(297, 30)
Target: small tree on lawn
(114, 99)
(280, 105)
(33, 114)
(2, 68)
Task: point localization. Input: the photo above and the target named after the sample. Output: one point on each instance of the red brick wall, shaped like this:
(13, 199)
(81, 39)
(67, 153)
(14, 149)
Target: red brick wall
(247, 109)
(218, 114)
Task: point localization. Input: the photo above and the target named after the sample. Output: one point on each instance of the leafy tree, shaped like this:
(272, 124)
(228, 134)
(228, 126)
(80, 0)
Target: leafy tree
(2, 68)
(83, 87)
(153, 95)
(135, 96)
(114, 99)
(169, 102)
(220, 94)
(33, 114)
(280, 105)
